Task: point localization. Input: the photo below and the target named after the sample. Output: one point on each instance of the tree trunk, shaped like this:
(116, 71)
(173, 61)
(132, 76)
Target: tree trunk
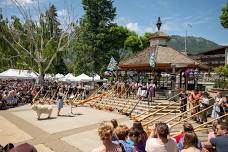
(41, 74)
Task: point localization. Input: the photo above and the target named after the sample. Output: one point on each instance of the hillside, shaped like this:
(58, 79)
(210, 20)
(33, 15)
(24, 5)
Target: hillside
(194, 44)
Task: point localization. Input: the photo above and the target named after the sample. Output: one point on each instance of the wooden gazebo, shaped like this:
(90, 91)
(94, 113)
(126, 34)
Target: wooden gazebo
(167, 59)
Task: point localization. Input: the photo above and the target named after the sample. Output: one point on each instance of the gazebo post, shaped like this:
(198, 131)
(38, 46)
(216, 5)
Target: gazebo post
(186, 81)
(138, 74)
(173, 77)
(180, 78)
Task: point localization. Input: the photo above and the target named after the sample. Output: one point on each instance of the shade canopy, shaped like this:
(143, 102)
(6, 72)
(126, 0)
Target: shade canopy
(58, 76)
(69, 77)
(83, 77)
(18, 74)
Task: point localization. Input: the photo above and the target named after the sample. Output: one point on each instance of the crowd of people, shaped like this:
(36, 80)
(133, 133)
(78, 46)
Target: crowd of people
(120, 138)
(14, 92)
(201, 105)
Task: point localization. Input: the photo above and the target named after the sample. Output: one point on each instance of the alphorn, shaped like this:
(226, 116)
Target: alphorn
(153, 113)
(147, 123)
(135, 117)
(121, 101)
(185, 112)
(99, 102)
(191, 116)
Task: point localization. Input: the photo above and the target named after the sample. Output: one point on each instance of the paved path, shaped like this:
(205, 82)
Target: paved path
(62, 134)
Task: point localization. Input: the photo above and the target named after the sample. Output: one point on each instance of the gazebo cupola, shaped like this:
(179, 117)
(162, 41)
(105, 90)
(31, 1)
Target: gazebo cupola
(159, 38)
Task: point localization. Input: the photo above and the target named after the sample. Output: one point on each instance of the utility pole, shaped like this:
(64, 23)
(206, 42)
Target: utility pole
(185, 40)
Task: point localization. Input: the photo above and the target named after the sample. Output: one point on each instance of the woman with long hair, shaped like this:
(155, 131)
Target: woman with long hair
(190, 142)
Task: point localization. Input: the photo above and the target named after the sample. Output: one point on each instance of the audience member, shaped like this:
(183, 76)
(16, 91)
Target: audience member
(24, 148)
(121, 132)
(105, 132)
(187, 127)
(221, 140)
(138, 137)
(8, 147)
(213, 133)
(162, 143)
(190, 142)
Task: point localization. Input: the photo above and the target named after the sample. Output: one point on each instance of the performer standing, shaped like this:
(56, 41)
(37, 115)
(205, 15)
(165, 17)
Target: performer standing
(194, 101)
(60, 98)
(151, 91)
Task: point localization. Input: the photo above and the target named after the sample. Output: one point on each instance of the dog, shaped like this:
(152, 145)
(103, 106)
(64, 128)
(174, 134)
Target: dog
(39, 109)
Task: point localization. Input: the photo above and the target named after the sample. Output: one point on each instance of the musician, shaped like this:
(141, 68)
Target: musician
(183, 101)
(60, 100)
(194, 101)
(204, 103)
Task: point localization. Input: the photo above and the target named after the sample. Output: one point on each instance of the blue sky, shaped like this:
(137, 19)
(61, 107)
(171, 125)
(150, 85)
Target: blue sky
(141, 15)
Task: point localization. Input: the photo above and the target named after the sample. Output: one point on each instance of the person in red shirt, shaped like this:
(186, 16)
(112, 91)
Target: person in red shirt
(187, 127)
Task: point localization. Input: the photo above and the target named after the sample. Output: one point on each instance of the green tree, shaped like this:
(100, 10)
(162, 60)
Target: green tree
(224, 16)
(38, 43)
(92, 42)
(133, 43)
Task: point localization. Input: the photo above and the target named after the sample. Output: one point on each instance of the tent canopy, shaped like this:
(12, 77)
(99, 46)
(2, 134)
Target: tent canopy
(18, 74)
(58, 76)
(83, 77)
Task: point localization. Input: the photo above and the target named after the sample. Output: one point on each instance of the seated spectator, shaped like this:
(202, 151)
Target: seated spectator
(121, 132)
(187, 127)
(105, 132)
(219, 142)
(162, 143)
(8, 147)
(115, 124)
(214, 132)
(1, 148)
(190, 142)
(24, 148)
(138, 137)
(138, 125)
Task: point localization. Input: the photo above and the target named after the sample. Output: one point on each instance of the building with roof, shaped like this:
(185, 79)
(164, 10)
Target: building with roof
(213, 57)
(158, 57)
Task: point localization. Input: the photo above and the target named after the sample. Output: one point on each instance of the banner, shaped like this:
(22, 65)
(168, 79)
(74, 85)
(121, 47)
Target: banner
(152, 60)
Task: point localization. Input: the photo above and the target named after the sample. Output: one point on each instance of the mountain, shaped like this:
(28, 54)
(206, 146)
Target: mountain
(194, 44)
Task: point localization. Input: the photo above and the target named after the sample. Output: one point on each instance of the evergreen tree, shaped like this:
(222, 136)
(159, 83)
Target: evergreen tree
(224, 16)
(92, 42)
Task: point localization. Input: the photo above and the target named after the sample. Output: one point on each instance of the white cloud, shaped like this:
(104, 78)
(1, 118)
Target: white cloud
(134, 26)
(62, 13)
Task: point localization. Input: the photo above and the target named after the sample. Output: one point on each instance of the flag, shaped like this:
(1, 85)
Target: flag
(112, 64)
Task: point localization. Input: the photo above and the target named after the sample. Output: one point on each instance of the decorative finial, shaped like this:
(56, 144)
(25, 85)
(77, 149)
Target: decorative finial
(159, 23)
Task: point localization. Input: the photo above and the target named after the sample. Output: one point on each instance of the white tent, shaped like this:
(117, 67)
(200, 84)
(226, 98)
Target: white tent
(59, 76)
(97, 78)
(68, 77)
(48, 77)
(84, 77)
(18, 74)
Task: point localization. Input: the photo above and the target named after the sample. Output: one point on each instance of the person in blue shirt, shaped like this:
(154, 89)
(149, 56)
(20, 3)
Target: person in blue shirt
(121, 133)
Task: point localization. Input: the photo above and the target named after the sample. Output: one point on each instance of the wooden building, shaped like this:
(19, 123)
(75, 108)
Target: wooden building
(213, 57)
(166, 58)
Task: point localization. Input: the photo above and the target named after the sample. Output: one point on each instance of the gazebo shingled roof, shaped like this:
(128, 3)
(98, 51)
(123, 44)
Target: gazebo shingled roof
(165, 57)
